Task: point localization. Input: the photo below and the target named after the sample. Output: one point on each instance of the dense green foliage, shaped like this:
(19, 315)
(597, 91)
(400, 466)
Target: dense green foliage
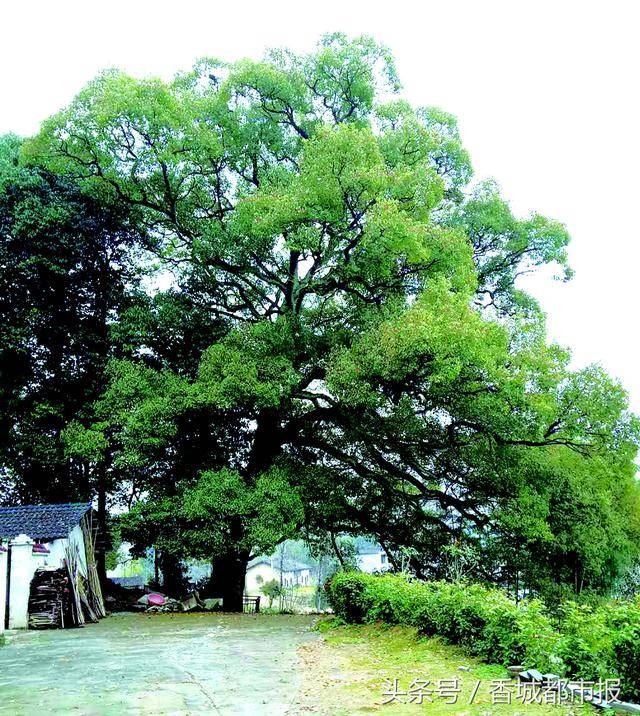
(344, 347)
(65, 261)
(590, 643)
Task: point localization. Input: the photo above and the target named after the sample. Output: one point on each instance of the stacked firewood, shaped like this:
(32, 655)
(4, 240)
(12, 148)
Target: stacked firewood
(48, 598)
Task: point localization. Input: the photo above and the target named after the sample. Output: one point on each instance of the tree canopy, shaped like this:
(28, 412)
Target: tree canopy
(345, 346)
(66, 260)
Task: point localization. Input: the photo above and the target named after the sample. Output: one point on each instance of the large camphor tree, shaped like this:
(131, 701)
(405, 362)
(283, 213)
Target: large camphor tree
(373, 365)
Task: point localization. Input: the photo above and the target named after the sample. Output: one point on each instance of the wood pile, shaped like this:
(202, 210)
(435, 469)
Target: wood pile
(48, 599)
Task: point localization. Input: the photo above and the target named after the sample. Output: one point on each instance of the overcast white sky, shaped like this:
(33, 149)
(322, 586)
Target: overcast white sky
(546, 93)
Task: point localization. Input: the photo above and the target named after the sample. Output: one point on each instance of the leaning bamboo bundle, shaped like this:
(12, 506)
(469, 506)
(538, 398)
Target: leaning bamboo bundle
(94, 589)
(71, 563)
(87, 609)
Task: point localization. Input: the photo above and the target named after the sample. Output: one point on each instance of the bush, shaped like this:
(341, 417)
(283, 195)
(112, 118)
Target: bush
(519, 634)
(623, 618)
(272, 590)
(626, 652)
(581, 641)
(584, 642)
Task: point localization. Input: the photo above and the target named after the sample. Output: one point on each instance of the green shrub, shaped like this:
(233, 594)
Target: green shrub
(623, 618)
(626, 654)
(384, 601)
(519, 634)
(580, 641)
(485, 621)
(585, 641)
(271, 590)
(345, 593)
(602, 642)
(460, 616)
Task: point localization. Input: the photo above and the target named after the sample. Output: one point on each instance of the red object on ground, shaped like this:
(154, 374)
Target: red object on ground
(156, 600)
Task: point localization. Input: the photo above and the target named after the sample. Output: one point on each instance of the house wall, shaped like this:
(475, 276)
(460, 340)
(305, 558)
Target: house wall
(24, 564)
(252, 584)
(299, 578)
(3, 586)
(56, 555)
(376, 562)
(57, 550)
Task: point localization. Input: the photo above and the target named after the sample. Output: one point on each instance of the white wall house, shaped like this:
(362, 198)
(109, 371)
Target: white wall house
(372, 559)
(264, 569)
(296, 574)
(33, 536)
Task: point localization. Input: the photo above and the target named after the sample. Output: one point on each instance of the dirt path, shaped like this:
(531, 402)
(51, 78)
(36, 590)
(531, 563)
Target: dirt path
(161, 664)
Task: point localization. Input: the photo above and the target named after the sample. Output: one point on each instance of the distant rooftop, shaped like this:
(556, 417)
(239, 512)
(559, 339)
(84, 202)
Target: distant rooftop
(41, 521)
(288, 565)
(370, 549)
(137, 580)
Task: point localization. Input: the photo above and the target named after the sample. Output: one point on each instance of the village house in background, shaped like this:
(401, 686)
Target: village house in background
(372, 558)
(129, 571)
(265, 569)
(289, 573)
(47, 558)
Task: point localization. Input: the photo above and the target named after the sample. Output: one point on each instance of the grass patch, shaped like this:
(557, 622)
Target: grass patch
(348, 671)
(577, 641)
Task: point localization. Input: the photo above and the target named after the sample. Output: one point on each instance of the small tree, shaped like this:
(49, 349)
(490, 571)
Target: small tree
(272, 590)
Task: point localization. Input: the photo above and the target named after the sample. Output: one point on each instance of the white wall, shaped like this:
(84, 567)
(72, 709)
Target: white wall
(3, 585)
(376, 562)
(23, 565)
(57, 549)
(300, 578)
(252, 584)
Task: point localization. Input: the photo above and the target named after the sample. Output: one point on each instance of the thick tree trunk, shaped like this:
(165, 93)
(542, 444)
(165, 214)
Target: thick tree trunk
(173, 582)
(227, 580)
(229, 569)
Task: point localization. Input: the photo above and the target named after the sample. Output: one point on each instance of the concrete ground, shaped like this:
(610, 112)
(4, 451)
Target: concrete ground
(157, 664)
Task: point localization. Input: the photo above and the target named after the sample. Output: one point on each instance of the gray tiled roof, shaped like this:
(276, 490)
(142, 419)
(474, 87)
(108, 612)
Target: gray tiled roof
(41, 521)
(288, 565)
(259, 560)
(369, 548)
(292, 566)
(137, 580)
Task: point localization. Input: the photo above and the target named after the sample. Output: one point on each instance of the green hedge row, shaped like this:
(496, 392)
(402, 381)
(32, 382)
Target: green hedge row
(582, 642)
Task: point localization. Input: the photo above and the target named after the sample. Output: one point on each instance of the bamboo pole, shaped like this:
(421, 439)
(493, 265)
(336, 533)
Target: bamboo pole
(94, 588)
